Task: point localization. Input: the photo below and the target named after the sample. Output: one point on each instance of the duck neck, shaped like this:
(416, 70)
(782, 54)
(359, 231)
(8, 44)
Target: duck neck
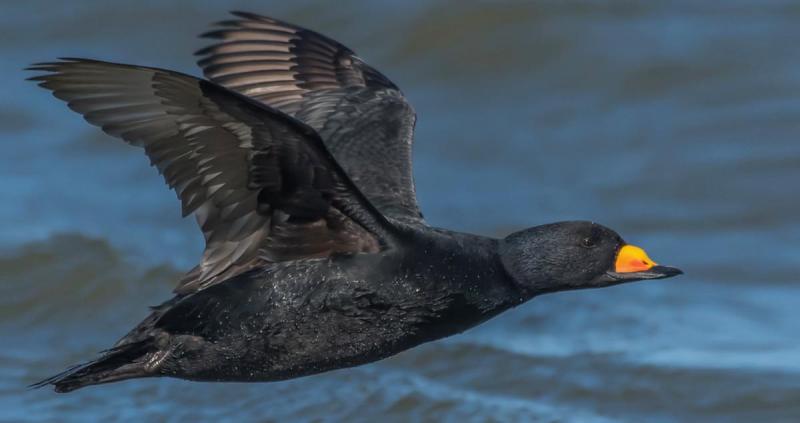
(467, 269)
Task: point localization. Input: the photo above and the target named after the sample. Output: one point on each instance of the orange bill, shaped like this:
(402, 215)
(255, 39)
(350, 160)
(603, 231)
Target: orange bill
(632, 259)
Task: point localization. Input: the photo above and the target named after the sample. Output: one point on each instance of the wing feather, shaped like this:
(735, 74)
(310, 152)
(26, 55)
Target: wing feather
(362, 117)
(261, 184)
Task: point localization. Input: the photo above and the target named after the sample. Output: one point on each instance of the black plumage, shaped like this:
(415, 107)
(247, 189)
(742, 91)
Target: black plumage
(363, 117)
(295, 158)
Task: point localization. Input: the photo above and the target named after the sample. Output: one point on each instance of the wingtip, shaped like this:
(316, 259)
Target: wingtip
(45, 69)
(249, 16)
(39, 66)
(246, 15)
(204, 51)
(214, 34)
(227, 23)
(51, 68)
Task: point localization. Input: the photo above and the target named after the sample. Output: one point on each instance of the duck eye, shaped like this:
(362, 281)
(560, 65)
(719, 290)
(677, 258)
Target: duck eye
(588, 242)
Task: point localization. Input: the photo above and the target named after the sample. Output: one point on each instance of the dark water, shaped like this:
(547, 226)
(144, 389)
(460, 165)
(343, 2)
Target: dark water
(677, 123)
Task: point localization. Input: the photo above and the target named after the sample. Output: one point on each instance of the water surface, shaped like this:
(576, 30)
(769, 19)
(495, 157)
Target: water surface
(676, 123)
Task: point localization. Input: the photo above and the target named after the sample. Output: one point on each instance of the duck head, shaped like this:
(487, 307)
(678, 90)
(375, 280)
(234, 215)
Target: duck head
(575, 255)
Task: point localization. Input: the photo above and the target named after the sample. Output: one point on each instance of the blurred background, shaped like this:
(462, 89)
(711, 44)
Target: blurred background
(675, 123)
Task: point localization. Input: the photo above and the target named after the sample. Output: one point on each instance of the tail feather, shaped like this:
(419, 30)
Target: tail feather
(118, 363)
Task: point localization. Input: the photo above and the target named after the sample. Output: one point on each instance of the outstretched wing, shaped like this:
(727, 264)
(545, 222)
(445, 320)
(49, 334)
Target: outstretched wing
(261, 184)
(362, 117)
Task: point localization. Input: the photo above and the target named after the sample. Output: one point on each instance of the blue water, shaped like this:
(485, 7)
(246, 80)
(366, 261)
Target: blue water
(675, 123)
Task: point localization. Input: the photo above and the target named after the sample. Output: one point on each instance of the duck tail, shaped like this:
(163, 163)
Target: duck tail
(118, 363)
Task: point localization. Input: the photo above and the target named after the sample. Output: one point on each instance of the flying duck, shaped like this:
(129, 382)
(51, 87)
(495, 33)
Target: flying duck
(294, 156)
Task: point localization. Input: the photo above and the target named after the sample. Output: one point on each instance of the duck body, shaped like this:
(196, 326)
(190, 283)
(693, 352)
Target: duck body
(304, 317)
